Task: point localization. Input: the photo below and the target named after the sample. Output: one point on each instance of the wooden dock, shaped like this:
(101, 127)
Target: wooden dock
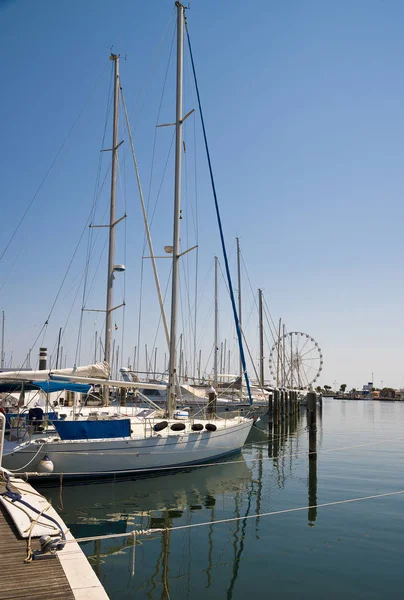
(69, 576)
(37, 580)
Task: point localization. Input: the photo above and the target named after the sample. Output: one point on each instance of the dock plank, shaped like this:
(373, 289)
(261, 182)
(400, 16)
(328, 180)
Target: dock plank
(37, 580)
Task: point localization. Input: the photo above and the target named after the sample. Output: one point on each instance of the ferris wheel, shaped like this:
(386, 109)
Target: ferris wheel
(295, 360)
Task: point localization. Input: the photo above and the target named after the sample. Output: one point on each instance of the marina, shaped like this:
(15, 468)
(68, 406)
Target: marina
(176, 301)
(277, 515)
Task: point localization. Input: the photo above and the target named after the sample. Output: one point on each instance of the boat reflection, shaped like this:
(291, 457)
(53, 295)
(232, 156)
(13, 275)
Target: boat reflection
(127, 500)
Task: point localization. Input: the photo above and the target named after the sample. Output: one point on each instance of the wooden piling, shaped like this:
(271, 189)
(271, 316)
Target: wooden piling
(270, 407)
(312, 423)
(275, 407)
(312, 511)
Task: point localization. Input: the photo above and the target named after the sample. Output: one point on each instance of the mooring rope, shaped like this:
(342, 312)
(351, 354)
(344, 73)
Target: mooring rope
(148, 532)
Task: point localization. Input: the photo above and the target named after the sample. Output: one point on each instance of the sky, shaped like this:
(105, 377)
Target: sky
(303, 103)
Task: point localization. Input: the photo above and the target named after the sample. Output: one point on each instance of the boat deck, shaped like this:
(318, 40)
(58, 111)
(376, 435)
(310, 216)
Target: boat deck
(37, 580)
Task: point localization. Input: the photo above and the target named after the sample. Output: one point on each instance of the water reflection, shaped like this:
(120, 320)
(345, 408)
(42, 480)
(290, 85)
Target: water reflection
(184, 564)
(125, 501)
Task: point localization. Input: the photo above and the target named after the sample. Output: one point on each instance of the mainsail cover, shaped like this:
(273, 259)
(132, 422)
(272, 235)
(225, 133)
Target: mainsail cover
(98, 370)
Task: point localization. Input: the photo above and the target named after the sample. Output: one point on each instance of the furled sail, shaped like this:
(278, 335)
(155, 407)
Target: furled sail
(99, 370)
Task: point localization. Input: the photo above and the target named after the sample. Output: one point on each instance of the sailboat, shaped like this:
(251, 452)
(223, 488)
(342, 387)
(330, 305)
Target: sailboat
(118, 445)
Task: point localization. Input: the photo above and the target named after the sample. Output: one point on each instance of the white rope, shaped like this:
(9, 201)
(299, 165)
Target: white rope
(25, 466)
(110, 536)
(134, 534)
(234, 519)
(288, 510)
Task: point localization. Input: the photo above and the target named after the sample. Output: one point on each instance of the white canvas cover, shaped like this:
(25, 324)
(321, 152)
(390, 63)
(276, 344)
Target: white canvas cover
(199, 393)
(98, 370)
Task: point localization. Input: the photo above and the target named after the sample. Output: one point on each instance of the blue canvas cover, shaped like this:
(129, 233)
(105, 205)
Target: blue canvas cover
(92, 430)
(59, 386)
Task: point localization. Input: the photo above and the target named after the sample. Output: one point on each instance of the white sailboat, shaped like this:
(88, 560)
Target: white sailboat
(102, 447)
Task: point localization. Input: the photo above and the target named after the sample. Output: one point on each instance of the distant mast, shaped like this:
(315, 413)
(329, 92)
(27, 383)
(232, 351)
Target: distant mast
(2, 340)
(241, 372)
(261, 333)
(216, 348)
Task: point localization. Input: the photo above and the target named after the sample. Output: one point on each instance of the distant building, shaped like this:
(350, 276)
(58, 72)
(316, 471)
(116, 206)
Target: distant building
(367, 388)
(388, 393)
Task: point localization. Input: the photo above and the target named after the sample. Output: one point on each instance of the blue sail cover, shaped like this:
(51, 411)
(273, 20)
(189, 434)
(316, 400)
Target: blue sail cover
(93, 430)
(60, 386)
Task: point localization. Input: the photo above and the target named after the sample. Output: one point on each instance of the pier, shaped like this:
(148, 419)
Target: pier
(66, 574)
(39, 556)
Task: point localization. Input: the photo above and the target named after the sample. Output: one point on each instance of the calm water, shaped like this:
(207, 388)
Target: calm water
(350, 551)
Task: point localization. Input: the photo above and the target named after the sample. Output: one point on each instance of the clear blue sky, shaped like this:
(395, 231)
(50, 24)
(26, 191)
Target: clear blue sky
(304, 104)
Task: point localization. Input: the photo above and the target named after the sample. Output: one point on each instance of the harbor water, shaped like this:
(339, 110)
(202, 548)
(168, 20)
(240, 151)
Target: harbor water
(349, 550)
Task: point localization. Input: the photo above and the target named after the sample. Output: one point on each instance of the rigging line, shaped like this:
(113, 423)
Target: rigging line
(86, 292)
(235, 519)
(78, 346)
(196, 222)
(92, 239)
(188, 299)
(242, 332)
(205, 281)
(185, 266)
(100, 159)
(155, 138)
(51, 165)
(273, 329)
(140, 316)
(206, 321)
(72, 305)
(63, 281)
(97, 188)
(162, 180)
(146, 224)
(160, 317)
(153, 60)
(96, 271)
(236, 319)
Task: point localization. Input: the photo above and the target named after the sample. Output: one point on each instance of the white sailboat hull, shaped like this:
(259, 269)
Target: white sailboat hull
(98, 458)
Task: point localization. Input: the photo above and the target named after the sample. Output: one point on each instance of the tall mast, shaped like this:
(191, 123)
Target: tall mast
(58, 348)
(261, 327)
(171, 404)
(216, 347)
(112, 223)
(239, 305)
(2, 340)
